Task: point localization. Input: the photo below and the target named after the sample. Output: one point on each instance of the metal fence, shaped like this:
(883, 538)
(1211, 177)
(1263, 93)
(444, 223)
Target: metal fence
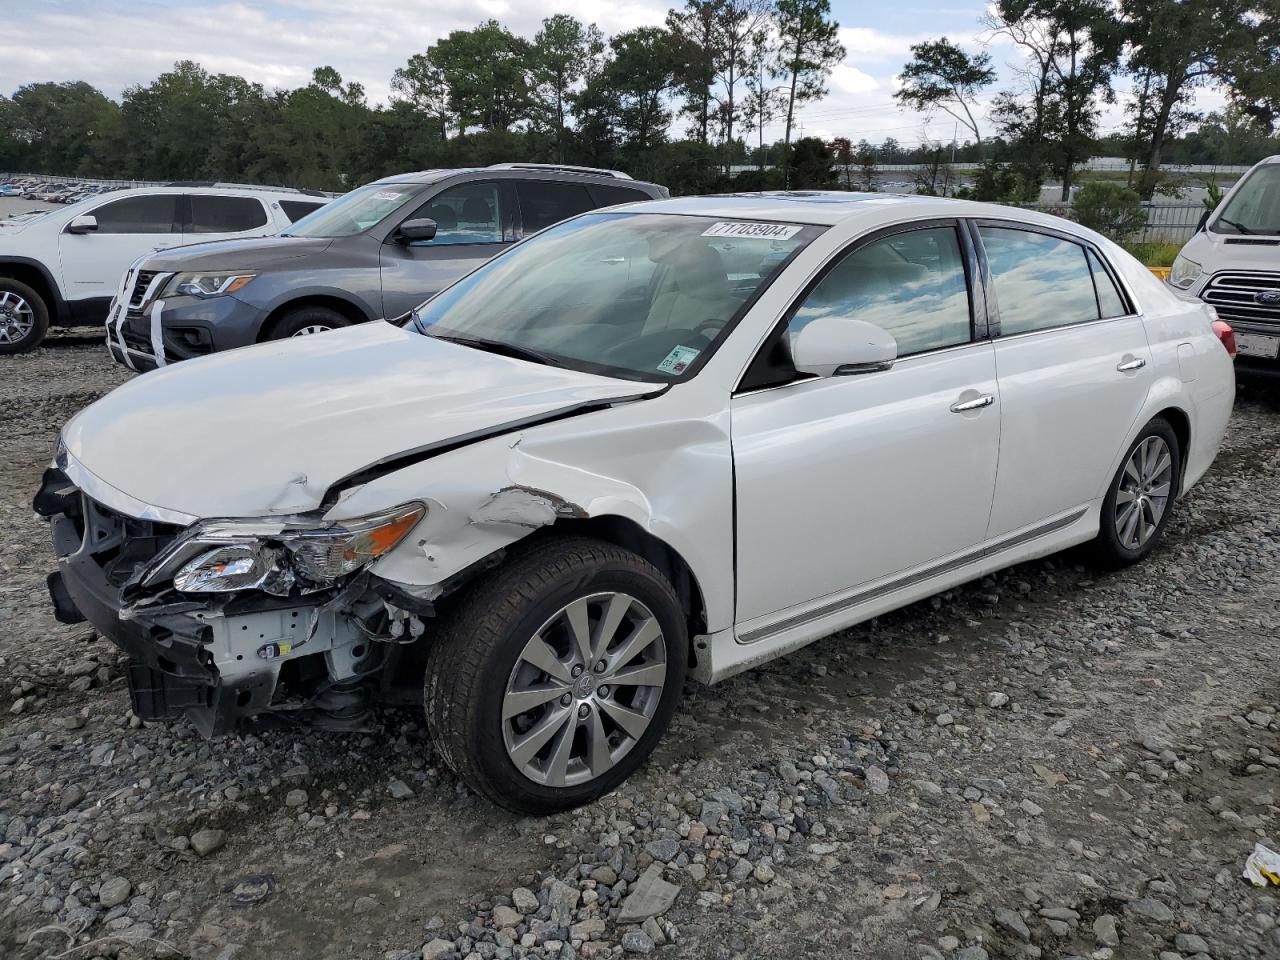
(1165, 222)
(52, 180)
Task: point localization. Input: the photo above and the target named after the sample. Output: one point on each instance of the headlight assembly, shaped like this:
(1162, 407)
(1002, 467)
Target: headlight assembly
(206, 285)
(1184, 272)
(250, 558)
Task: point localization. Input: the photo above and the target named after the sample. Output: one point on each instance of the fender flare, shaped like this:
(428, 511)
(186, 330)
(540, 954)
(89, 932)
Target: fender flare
(59, 303)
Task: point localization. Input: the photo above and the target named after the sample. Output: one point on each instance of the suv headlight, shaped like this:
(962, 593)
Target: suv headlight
(205, 285)
(312, 559)
(1184, 272)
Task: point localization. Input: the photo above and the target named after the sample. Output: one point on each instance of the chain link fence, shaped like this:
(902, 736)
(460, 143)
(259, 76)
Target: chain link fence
(1165, 222)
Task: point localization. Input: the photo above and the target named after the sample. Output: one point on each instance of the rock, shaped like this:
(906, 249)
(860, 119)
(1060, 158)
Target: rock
(1061, 728)
(399, 790)
(764, 873)
(664, 850)
(877, 781)
(1190, 943)
(1104, 929)
(114, 891)
(1012, 921)
(71, 796)
(788, 772)
(525, 900)
(997, 700)
(651, 896)
(605, 875)
(972, 953)
(1152, 909)
(295, 798)
(944, 719)
(436, 948)
(654, 930)
(564, 900)
(504, 916)
(590, 929)
(205, 842)
(1032, 808)
(637, 941)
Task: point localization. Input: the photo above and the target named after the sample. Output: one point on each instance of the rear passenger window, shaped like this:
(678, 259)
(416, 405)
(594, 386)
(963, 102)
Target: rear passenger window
(606, 194)
(212, 214)
(152, 213)
(1109, 300)
(911, 284)
(544, 202)
(295, 210)
(467, 213)
(1041, 281)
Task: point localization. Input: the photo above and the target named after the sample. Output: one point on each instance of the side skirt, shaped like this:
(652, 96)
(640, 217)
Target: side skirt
(725, 654)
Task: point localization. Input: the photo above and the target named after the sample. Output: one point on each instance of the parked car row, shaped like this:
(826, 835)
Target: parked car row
(48, 190)
(669, 438)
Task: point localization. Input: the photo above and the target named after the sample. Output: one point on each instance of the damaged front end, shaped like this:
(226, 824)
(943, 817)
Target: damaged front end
(224, 620)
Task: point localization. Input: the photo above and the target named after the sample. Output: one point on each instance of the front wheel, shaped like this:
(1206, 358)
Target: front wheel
(1140, 499)
(304, 321)
(556, 675)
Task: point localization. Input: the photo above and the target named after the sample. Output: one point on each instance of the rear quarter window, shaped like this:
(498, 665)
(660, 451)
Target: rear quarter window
(295, 210)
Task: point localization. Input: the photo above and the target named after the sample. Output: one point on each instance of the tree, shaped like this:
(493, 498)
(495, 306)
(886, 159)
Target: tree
(761, 104)
(865, 155)
(807, 50)
(1110, 208)
(693, 33)
(561, 51)
(736, 23)
(485, 72)
(59, 127)
(421, 85)
(811, 165)
(1179, 44)
(638, 78)
(1025, 115)
(1252, 69)
(941, 76)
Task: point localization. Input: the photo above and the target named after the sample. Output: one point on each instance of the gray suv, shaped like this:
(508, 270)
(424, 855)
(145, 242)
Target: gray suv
(378, 251)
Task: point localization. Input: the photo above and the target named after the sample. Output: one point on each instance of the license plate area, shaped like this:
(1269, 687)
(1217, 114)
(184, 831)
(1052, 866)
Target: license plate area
(1257, 345)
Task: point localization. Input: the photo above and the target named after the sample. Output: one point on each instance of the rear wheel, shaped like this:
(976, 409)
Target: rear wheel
(24, 317)
(305, 321)
(1140, 499)
(556, 675)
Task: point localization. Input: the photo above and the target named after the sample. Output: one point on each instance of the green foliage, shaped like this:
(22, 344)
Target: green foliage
(1213, 195)
(1155, 253)
(811, 166)
(941, 76)
(808, 48)
(1110, 208)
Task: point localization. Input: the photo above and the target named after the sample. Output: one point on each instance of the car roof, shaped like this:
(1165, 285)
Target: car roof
(268, 192)
(530, 171)
(829, 207)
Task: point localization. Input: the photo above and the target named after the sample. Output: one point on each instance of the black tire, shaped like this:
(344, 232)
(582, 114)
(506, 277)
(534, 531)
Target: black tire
(480, 639)
(39, 317)
(294, 322)
(1108, 549)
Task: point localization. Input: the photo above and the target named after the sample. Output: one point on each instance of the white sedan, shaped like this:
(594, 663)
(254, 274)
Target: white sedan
(672, 439)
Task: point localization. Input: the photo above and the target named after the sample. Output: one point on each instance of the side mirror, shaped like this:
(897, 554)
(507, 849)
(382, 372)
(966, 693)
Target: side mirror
(411, 230)
(85, 223)
(841, 346)
(1204, 218)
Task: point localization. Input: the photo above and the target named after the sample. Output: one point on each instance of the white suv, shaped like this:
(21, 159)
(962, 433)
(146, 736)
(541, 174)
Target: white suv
(61, 267)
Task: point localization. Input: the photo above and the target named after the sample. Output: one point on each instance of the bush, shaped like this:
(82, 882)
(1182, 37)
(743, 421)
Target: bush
(1110, 208)
(1155, 253)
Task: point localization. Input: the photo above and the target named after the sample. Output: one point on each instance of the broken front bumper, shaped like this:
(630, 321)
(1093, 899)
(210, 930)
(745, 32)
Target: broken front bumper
(214, 660)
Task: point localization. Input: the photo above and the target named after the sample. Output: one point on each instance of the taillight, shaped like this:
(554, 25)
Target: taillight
(1227, 336)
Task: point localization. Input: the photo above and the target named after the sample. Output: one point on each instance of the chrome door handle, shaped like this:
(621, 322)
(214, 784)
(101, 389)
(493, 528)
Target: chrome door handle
(1137, 363)
(613, 260)
(977, 403)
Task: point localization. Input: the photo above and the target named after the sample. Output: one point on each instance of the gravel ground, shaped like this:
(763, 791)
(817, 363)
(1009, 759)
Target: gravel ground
(1047, 763)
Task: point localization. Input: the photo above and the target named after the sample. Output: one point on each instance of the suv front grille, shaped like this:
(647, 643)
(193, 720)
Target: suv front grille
(1235, 296)
(141, 283)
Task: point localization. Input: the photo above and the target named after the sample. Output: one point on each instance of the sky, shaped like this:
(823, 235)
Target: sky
(113, 44)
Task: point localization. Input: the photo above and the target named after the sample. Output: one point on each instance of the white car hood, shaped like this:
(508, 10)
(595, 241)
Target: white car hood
(1216, 252)
(267, 429)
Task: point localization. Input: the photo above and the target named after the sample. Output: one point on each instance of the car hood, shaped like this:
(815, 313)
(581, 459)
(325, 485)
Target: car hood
(268, 429)
(1216, 252)
(252, 254)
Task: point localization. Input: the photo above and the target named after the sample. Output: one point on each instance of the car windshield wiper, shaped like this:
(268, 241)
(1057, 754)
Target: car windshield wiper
(1231, 223)
(496, 346)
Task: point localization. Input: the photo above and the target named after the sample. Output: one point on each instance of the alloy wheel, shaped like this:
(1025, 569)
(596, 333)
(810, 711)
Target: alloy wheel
(17, 318)
(310, 329)
(584, 689)
(1143, 496)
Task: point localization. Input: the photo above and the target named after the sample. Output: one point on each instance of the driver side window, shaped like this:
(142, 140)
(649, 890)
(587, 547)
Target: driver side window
(910, 284)
(467, 213)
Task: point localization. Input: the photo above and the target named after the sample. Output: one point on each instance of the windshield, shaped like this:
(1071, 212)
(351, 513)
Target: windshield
(1255, 206)
(639, 296)
(354, 212)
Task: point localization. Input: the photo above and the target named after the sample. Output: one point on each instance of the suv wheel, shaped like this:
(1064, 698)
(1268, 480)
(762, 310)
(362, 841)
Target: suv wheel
(305, 321)
(556, 675)
(24, 318)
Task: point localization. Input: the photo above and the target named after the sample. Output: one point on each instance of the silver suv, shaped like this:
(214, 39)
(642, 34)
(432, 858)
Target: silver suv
(378, 251)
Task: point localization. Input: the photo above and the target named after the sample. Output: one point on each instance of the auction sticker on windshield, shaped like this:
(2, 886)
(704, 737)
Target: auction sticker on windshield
(678, 360)
(763, 231)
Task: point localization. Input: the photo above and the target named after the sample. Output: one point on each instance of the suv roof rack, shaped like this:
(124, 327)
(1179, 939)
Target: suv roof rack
(562, 168)
(247, 186)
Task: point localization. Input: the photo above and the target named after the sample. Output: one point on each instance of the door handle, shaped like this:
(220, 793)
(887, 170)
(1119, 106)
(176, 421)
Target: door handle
(1137, 363)
(613, 260)
(977, 403)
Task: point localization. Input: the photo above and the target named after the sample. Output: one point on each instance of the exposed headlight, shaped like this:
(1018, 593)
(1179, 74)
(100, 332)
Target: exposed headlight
(309, 558)
(205, 285)
(1184, 272)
